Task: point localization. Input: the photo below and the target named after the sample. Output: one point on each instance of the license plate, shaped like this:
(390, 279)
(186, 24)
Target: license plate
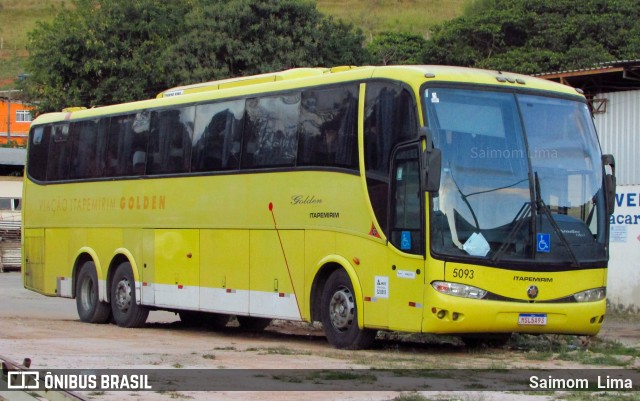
(532, 319)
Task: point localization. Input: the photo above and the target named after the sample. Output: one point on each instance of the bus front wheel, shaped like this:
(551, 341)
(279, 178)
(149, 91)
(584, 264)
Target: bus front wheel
(339, 313)
(126, 311)
(90, 309)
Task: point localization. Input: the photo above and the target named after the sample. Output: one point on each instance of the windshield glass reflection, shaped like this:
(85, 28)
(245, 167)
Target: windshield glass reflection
(487, 206)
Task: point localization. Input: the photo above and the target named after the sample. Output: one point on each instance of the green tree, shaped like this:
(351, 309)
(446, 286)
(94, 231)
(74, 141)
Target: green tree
(397, 48)
(538, 36)
(101, 52)
(244, 37)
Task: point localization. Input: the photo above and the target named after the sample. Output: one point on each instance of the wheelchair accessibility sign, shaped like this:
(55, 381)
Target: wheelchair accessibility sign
(405, 240)
(544, 242)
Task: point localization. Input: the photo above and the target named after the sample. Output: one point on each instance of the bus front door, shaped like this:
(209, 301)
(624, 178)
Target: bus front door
(406, 243)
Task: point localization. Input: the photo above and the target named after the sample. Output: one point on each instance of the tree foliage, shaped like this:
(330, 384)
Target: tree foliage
(103, 52)
(397, 48)
(538, 36)
(244, 37)
(100, 52)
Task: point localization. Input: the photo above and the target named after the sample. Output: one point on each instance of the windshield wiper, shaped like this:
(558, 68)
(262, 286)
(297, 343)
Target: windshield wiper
(519, 220)
(540, 205)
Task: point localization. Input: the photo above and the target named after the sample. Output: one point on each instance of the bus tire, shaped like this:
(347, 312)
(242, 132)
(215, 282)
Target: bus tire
(90, 309)
(203, 319)
(253, 323)
(126, 312)
(339, 314)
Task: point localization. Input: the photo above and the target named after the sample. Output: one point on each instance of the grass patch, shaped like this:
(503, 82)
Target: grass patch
(420, 397)
(17, 17)
(323, 376)
(278, 351)
(10, 68)
(613, 347)
(410, 397)
(600, 396)
(177, 395)
(539, 356)
(178, 365)
(326, 375)
(287, 378)
(209, 356)
(589, 358)
(593, 351)
(375, 16)
(426, 373)
(394, 359)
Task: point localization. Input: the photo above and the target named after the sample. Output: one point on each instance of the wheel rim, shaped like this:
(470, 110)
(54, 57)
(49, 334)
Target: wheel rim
(123, 295)
(86, 293)
(342, 309)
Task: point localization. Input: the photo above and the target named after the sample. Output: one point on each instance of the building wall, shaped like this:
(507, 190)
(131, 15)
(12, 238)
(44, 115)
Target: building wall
(18, 130)
(619, 131)
(624, 262)
(10, 199)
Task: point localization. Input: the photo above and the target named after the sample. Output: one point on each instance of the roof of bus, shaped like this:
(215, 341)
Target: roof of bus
(309, 77)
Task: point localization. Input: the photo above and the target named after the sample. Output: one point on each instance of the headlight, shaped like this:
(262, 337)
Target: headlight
(458, 290)
(593, 295)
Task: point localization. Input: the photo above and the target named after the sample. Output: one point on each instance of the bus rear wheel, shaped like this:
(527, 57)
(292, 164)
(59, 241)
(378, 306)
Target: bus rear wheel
(339, 314)
(90, 309)
(126, 311)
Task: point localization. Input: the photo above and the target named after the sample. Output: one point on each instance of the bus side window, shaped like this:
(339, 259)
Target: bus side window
(170, 141)
(328, 128)
(271, 129)
(218, 136)
(59, 153)
(115, 143)
(38, 152)
(128, 134)
(88, 149)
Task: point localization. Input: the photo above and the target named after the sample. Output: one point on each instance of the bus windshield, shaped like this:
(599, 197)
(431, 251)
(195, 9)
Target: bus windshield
(521, 179)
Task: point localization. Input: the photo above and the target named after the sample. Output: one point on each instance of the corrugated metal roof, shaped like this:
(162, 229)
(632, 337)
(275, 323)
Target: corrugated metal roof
(597, 67)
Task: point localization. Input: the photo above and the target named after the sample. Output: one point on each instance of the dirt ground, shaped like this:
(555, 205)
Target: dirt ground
(48, 331)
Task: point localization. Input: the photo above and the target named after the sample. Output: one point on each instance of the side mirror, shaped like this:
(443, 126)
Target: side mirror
(609, 182)
(431, 161)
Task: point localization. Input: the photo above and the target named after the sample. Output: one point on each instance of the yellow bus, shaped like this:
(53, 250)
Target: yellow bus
(412, 198)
